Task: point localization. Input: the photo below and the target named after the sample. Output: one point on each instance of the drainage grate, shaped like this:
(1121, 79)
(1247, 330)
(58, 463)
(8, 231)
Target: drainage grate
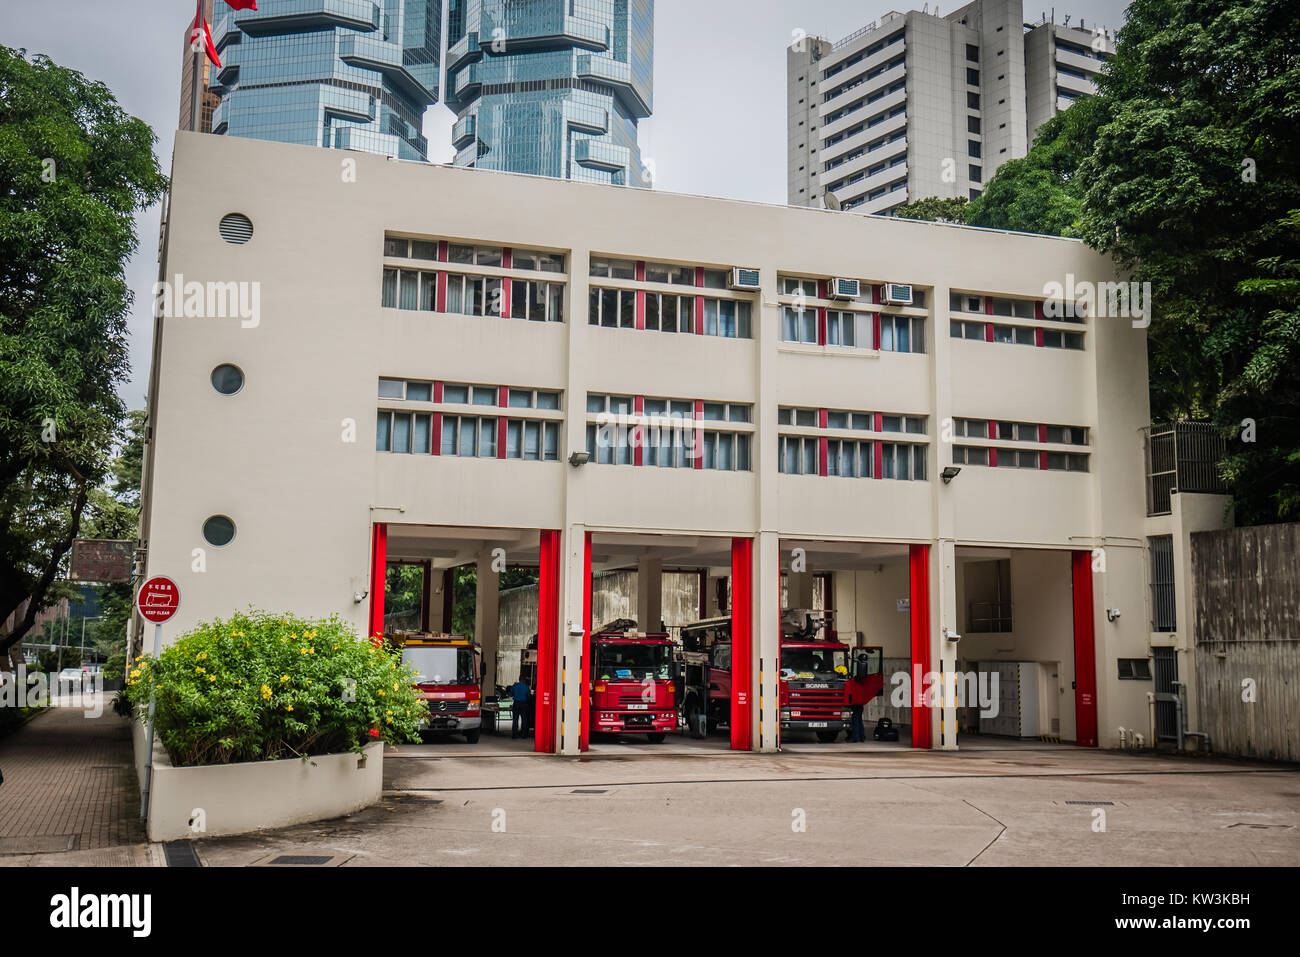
(1093, 803)
(181, 854)
(40, 844)
(587, 791)
(299, 860)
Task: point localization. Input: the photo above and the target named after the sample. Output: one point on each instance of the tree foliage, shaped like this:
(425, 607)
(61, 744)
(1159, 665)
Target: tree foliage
(74, 169)
(1189, 185)
(935, 209)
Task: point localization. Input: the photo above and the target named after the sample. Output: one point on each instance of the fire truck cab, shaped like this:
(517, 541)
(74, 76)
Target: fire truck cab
(813, 675)
(633, 687)
(448, 679)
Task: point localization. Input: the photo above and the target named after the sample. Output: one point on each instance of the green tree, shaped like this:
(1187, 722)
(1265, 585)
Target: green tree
(74, 169)
(1196, 165)
(1042, 192)
(935, 209)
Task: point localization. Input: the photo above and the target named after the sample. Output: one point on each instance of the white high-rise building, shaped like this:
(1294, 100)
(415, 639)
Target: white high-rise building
(917, 104)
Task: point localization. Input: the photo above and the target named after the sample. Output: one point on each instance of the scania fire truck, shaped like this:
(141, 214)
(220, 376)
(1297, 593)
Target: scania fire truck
(813, 673)
(447, 678)
(633, 691)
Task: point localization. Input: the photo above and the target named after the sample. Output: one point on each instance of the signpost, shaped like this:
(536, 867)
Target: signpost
(156, 601)
(102, 560)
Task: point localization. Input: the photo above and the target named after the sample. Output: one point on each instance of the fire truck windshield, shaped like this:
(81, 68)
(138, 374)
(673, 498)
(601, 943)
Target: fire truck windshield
(614, 661)
(815, 661)
(441, 666)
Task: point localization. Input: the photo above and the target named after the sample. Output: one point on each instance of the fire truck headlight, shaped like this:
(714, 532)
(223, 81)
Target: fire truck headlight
(785, 714)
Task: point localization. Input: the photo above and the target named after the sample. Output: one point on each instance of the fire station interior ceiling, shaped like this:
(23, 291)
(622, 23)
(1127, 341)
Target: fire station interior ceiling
(448, 546)
(826, 556)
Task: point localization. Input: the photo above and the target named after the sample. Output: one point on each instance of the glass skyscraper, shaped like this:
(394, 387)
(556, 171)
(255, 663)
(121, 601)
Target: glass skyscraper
(551, 87)
(349, 74)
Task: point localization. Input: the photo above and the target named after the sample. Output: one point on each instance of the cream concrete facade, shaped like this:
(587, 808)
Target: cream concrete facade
(291, 457)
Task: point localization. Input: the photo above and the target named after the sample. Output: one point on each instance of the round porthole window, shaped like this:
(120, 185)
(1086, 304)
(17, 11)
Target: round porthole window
(218, 531)
(227, 379)
(236, 228)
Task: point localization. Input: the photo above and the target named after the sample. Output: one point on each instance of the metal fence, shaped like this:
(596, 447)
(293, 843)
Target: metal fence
(1164, 608)
(1182, 457)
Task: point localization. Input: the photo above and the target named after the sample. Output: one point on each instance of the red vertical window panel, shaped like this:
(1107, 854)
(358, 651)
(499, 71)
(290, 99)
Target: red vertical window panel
(699, 433)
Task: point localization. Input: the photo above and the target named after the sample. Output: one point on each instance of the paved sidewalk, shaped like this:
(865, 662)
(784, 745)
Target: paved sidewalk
(70, 787)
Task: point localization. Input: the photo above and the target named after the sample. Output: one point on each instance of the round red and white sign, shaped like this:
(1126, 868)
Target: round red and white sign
(158, 599)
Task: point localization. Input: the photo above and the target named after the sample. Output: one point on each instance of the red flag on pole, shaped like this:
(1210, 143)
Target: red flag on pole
(242, 4)
(202, 35)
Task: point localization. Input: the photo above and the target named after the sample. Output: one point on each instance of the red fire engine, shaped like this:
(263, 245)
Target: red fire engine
(448, 679)
(813, 675)
(632, 682)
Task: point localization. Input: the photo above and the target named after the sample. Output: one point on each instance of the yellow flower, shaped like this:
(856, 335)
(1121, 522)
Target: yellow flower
(396, 685)
(135, 672)
(283, 678)
(212, 678)
(311, 651)
(389, 720)
(266, 692)
(302, 651)
(389, 711)
(308, 681)
(293, 634)
(199, 670)
(382, 693)
(282, 640)
(288, 707)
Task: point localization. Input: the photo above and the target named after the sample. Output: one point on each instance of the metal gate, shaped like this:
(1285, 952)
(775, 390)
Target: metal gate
(1166, 694)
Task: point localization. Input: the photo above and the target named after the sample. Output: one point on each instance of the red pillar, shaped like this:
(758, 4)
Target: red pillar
(919, 591)
(1085, 651)
(742, 642)
(378, 577)
(584, 720)
(548, 613)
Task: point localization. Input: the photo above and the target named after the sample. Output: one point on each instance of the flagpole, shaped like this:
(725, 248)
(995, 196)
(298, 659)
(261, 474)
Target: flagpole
(196, 48)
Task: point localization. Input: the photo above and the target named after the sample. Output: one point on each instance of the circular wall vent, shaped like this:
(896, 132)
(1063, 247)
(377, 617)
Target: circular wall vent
(236, 228)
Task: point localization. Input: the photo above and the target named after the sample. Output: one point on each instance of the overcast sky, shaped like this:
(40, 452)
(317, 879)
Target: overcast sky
(719, 95)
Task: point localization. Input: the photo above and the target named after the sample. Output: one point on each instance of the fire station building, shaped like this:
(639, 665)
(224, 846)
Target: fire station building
(359, 361)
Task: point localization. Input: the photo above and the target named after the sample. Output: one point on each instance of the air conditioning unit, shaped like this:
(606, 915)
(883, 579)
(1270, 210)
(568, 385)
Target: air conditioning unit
(897, 294)
(845, 289)
(745, 280)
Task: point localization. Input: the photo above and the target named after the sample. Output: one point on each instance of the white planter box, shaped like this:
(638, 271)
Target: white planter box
(239, 798)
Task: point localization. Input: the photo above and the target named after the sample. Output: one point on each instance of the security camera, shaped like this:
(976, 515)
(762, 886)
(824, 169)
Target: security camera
(359, 596)
(1112, 614)
(951, 635)
(576, 631)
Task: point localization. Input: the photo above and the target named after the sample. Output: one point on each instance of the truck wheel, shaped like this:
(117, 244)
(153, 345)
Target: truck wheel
(657, 737)
(826, 737)
(693, 724)
(472, 736)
